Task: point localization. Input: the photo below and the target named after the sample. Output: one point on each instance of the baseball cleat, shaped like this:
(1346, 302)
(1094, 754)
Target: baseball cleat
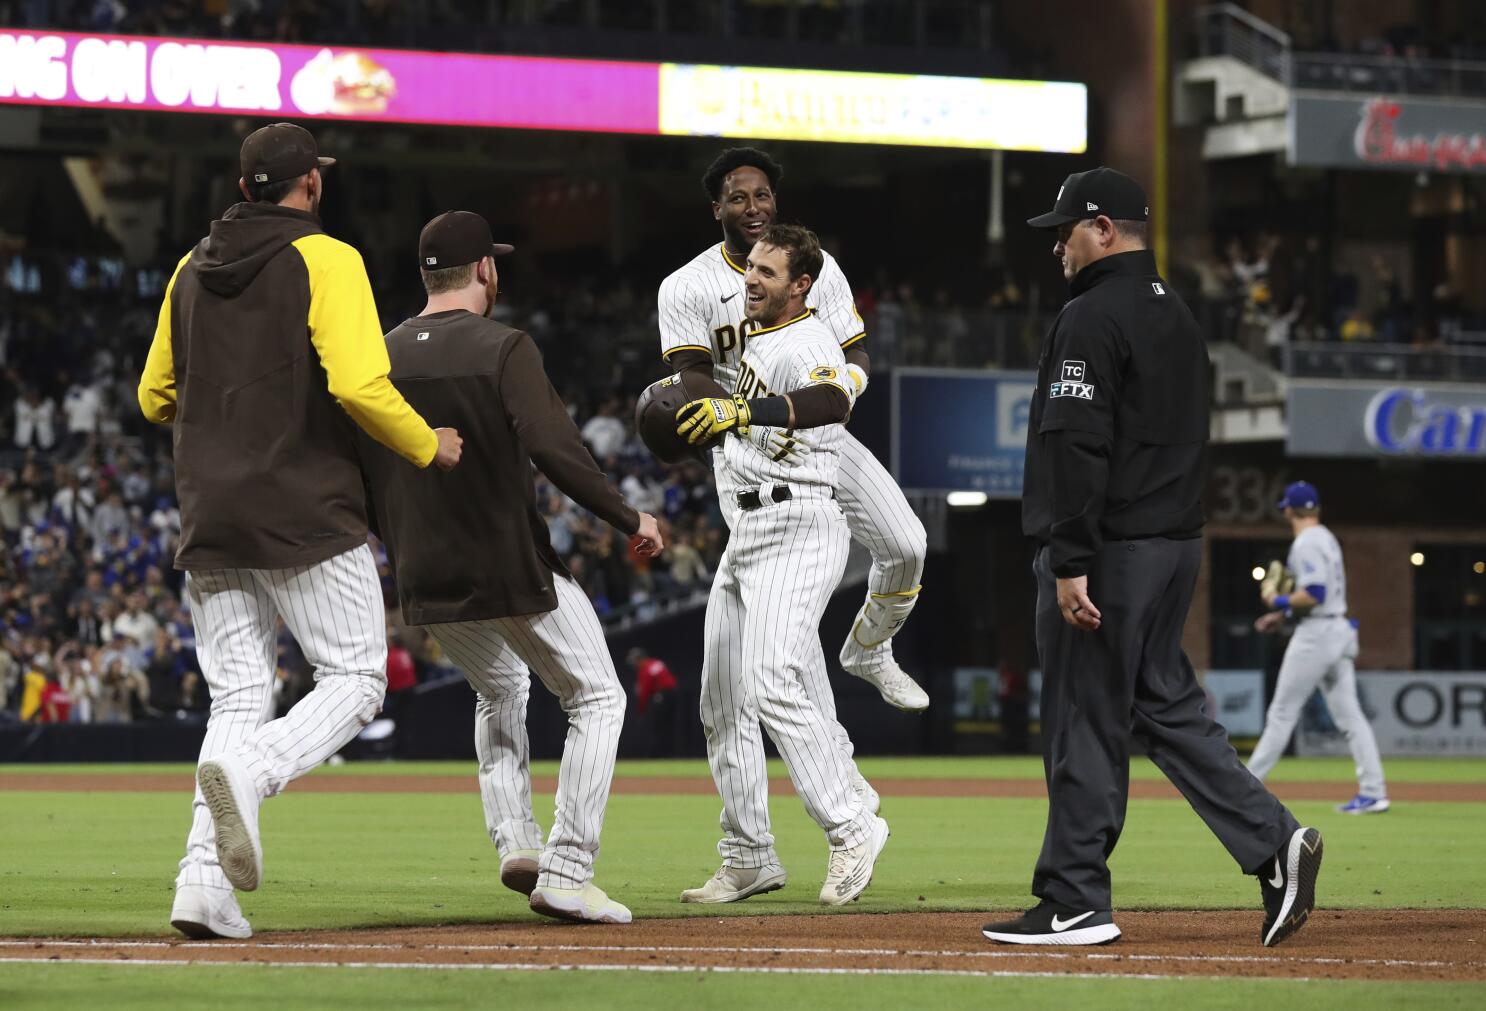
(734, 884)
(518, 870)
(233, 801)
(588, 904)
(849, 870)
(202, 913)
(1361, 804)
(877, 667)
(870, 798)
(1051, 923)
(1288, 885)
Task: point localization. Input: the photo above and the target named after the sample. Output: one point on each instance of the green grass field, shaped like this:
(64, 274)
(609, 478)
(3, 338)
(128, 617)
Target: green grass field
(103, 863)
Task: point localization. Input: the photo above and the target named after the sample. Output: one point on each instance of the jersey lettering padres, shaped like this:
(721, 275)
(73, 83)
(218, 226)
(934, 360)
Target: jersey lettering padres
(701, 308)
(797, 353)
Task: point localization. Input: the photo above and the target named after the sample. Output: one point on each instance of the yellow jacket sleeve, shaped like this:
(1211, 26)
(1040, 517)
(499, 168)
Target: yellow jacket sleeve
(348, 337)
(157, 381)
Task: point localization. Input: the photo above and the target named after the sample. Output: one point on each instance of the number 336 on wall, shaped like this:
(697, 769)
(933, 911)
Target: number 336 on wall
(1243, 494)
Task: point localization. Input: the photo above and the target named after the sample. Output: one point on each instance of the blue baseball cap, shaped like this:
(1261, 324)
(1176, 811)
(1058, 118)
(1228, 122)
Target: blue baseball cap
(1300, 495)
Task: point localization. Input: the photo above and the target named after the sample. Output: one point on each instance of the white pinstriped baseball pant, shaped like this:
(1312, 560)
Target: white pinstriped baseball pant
(880, 519)
(565, 647)
(334, 610)
(762, 636)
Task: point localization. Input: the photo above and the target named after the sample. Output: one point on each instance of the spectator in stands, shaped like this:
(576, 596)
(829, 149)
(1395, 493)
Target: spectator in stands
(82, 405)
(137, 623)
(123, 692)
(402, 678)
(1357, 327)
(604, 432)
(35, 421)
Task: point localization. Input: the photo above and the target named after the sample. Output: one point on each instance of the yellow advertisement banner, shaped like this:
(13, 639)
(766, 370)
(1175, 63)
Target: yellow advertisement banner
(860, 108)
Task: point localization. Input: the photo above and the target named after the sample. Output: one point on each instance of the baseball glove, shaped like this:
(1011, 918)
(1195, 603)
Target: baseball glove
(1277, 580)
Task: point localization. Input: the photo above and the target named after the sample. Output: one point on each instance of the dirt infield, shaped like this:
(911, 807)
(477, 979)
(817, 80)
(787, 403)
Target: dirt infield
(105, 781)
(1413, 945)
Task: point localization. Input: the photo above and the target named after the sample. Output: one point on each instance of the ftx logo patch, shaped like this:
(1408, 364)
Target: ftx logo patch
(1072, 383)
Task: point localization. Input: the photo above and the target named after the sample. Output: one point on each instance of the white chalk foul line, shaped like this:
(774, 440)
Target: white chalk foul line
(646, 967)
(736, 949)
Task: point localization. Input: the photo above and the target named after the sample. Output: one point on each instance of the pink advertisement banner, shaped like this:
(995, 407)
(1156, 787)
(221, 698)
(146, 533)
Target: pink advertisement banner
(294, 82)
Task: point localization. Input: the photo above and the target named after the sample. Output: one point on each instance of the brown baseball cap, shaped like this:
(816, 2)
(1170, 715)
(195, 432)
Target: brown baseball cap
(279, 151)
(455, 238)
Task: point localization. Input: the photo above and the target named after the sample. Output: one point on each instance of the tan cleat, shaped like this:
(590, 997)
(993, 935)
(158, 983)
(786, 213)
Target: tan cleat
(734, 884)
(588, 904)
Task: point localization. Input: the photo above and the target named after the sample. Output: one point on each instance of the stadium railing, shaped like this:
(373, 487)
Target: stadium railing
(1387, 362)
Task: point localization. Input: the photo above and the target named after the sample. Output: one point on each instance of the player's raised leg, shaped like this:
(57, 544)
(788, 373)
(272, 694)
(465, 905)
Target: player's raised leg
(880, 519)
(502, 684)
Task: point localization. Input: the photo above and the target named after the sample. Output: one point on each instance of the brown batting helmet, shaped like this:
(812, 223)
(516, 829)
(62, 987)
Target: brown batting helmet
(655, 419)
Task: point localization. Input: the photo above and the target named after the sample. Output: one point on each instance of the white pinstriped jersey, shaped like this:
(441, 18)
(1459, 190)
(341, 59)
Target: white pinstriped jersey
(801, 352)
(701, 308)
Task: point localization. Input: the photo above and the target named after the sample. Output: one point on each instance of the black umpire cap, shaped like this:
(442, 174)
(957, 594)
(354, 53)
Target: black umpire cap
(1089, 194)
(455, 238)
(279, 151)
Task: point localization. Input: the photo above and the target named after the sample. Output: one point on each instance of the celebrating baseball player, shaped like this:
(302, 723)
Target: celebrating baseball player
(266, 351)
(704, 331)
(474, 564)
(778, 471)
(1321, 652)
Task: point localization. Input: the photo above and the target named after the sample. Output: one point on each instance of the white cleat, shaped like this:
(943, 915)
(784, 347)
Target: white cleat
(518, 870)
(870, 798)
(734, 884)
(877, 667)
(588, 904)
(850, 869)
(233, 801)
(202, 913)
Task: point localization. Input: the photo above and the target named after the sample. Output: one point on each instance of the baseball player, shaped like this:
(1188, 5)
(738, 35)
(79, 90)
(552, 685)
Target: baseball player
(1321, 652)
(266, 358)
(704, 331)
(778, 472)
(471, 554)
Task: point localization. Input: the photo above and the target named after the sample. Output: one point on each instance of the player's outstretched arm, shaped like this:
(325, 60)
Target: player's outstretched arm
(540, 420)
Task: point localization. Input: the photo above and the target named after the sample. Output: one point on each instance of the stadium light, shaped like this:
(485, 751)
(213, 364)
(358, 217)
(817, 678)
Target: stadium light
(1258, 573)
(1416, 559)
(966, 499)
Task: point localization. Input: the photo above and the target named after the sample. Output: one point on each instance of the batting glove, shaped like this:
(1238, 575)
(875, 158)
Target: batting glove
(782, 446)
(703, 420)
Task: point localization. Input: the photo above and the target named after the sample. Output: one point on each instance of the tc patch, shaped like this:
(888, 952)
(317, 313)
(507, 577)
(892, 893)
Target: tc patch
(1073, 372)
(824, 374)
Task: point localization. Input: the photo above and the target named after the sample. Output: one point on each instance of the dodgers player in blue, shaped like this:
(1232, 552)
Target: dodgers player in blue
(1321, 652)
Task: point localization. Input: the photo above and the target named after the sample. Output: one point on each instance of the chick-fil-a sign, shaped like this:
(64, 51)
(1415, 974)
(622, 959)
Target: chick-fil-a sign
(1401, 134)
(339, 83)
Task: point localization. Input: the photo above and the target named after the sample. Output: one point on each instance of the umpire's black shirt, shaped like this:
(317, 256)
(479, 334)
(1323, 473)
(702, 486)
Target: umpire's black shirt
(1119, 417)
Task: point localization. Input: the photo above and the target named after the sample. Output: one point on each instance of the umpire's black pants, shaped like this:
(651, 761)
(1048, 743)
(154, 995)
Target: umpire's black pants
(1131, 678)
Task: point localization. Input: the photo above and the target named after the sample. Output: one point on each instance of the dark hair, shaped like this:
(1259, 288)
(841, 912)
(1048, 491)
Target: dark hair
(735, 158)
(801, 248)
(1133, 228)
(274, 193)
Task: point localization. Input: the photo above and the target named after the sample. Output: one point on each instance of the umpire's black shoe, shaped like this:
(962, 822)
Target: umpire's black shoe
(1050, 923)
(1289, 886)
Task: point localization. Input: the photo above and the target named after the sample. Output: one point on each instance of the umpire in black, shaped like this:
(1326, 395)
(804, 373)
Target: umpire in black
(1112, 496)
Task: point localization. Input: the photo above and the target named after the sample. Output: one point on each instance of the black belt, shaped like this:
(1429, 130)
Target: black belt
(748, 501)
